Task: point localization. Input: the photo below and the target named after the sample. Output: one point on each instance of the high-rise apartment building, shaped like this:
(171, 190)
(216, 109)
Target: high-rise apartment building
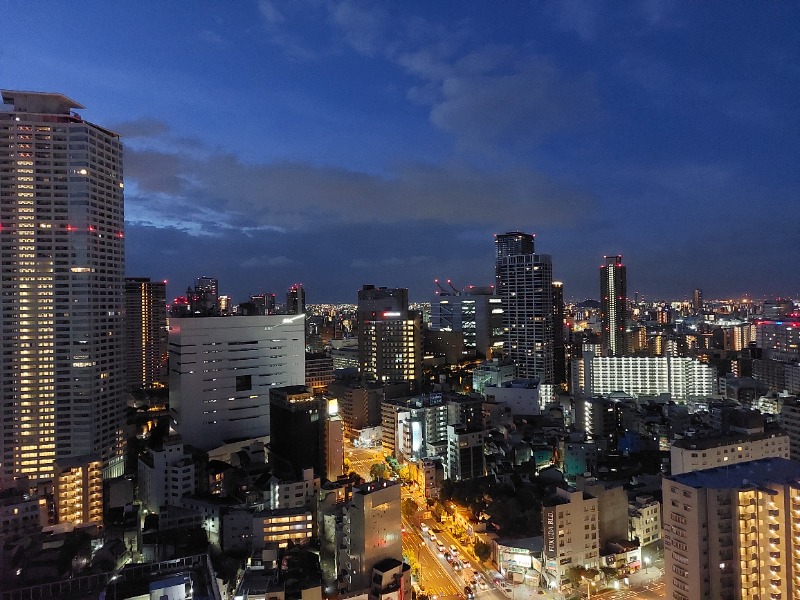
(525, 286)
(389, 336)
(61, 210)
(145, 340)
(559, 344)
(613, 305)
(731, 532)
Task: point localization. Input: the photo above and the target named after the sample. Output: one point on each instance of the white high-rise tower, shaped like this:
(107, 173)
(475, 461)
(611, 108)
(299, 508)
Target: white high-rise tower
(63, 258)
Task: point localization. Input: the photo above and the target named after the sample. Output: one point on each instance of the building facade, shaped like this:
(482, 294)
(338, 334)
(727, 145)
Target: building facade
(389, 336)
(221, 372)
(729, 532)
(62, 241)
(525, 286)
(613, 305)
(146, 358)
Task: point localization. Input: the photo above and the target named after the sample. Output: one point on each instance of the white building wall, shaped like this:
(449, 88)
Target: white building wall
(221, 371)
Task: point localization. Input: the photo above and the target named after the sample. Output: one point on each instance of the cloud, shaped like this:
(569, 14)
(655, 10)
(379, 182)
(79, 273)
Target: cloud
(220, 191)
(268, 261)
(577, 16)
(141, 128)
(525, 105)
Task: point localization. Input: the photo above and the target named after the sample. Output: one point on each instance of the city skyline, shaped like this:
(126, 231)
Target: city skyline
(339, 144)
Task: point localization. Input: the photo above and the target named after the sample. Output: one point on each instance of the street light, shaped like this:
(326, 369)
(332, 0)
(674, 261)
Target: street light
(589, 585)
(647, 561)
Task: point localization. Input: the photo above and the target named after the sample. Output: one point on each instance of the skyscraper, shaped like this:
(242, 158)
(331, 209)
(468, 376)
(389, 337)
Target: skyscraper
(61, 234)
(296, 300)
(145, 333)
(559, 346)
(613, 306)
(525, 286)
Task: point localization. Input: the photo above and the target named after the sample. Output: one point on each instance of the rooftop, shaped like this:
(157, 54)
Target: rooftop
(705, 442)
(742, 475)
(40, 102)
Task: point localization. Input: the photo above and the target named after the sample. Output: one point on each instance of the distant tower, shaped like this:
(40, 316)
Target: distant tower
(296, 300)
(559, 350)
(525, 286)
(145, 338)
(698, 301)
(63, 248)
(613, 305)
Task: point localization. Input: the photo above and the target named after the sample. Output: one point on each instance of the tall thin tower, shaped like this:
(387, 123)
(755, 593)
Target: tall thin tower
(61, 234)
(145, 333)
(525, 286)
(613, 305)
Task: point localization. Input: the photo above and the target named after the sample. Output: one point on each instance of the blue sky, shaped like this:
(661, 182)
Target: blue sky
(337, 143)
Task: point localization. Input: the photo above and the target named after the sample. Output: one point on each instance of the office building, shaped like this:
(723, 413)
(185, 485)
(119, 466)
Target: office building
(493, 372)
(570, 526)
(372, 526)
(222, 370)
(525, 286)
(296, 300)
(145, 342)
(476, 313)
(613, 306)
(297, 418)
(78, 489)
(389, 336)
(729, 532)
(697, 301)
(168, 474)
(62, 241)
(465, 456)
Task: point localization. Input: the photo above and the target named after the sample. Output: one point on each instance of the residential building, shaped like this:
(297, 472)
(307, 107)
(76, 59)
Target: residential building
(294, 493)
(525, 286)
(613, 306)
(700, 452)
(728, 531)
(146, 357)
(78, 489)
(168, 474)
(644, 515)
(391, 580)
(62, 241)
(281, 527)
(221, 372)
(682, 377)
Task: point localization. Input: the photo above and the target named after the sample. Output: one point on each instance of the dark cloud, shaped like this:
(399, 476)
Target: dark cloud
(143, 127)
(226, 192)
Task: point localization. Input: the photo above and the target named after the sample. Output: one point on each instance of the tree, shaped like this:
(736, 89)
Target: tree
(608, 572)
(379, 471)
(408, 507)
(483, 551)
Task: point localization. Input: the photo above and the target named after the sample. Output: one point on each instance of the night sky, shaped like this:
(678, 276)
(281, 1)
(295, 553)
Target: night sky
(341, 143)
